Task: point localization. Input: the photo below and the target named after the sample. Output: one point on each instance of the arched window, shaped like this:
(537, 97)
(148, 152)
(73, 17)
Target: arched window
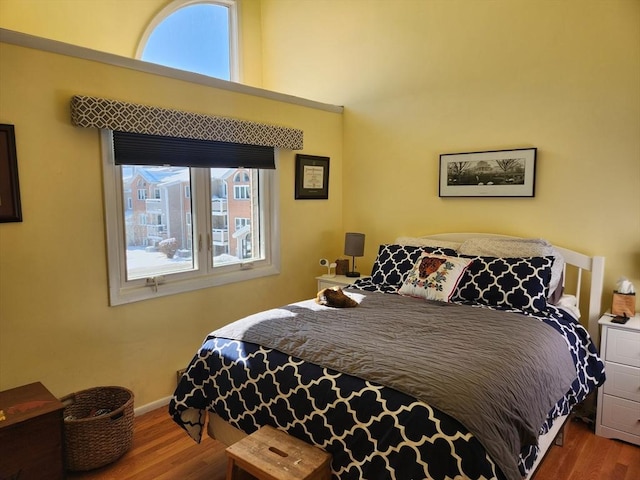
(195, 36)
(241, 177)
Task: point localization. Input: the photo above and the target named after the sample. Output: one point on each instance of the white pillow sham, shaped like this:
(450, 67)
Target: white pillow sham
(427, 242)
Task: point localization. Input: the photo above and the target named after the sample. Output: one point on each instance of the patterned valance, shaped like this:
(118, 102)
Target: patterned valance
(134, 118)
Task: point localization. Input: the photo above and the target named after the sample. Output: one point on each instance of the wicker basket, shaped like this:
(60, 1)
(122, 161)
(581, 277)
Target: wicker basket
(92, 440)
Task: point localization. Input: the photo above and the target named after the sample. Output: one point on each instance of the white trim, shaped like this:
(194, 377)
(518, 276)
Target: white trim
(234, 40)
(149, 407)
(61, 48)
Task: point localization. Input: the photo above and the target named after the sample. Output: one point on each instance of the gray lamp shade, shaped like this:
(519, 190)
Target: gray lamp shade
(354, 244)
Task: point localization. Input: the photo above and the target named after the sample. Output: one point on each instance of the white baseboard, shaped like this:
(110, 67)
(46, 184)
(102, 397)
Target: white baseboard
(151, 406)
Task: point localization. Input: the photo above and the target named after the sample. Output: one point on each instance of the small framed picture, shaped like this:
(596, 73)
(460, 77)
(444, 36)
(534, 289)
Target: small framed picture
(312, 177)
(496, 173)
(10, 209)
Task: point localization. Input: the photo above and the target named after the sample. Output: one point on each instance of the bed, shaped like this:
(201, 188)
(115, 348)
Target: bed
(463, 359)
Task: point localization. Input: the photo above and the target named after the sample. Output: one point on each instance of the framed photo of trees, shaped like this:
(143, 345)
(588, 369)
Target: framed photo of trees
(495, 173)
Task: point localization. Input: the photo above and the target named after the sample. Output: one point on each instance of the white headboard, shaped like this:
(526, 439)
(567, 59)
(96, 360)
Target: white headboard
(580, 261)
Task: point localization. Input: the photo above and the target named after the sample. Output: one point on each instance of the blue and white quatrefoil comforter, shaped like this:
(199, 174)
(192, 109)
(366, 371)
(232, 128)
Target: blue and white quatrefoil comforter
(384, 390)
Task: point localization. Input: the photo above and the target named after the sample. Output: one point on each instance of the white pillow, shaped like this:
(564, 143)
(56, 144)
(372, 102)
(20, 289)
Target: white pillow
(570, 304)
(519, 247)
(427, 242)
(434, 277)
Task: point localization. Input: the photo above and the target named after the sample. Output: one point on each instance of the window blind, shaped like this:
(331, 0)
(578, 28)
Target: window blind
(143, 149)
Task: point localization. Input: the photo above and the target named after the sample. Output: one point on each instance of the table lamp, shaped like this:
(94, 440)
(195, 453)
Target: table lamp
(354, 247)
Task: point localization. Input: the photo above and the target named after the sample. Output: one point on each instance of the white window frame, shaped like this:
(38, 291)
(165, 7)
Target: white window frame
(242, 192)
(122, 291)
(232, 5)
(242, 222)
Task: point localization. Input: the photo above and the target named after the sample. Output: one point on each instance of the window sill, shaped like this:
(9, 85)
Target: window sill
(123, 296)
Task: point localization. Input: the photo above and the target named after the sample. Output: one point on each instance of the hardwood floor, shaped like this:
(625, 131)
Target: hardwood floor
(161, 450)
(585, 456)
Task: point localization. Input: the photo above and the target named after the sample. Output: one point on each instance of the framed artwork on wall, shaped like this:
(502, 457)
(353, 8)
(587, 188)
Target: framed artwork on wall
(496, 173)
(10, 208)
(312, 177)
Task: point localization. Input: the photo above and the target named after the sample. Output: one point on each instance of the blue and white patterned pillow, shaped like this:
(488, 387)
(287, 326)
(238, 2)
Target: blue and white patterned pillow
(394, 262)
(521, 283)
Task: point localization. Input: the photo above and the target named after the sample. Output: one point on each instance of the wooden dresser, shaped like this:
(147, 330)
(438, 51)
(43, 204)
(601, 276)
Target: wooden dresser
(31, 426)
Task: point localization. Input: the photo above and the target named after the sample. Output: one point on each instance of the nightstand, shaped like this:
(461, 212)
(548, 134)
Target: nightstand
(619, 398)
(326, 281)
(31, 434)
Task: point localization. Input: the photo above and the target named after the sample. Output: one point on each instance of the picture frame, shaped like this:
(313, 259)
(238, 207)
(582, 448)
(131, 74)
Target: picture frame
(312, 177)
(10, 207)
(492, 173)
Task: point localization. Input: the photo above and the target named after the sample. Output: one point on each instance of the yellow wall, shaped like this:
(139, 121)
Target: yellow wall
(112, 26)
(117, 26)
(417, 78)
(423, 77)
(55, 322)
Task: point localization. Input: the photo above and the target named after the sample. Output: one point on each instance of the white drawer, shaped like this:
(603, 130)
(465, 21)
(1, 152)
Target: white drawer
(622, 381)
(623, 415)
(623, 346)
(328, 284)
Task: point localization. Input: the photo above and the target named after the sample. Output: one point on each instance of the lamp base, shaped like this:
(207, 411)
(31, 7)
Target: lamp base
(353, 274)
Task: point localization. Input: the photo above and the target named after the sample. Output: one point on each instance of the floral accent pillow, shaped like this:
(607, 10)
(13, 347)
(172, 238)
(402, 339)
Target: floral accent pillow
(434, 277)
(393, 264)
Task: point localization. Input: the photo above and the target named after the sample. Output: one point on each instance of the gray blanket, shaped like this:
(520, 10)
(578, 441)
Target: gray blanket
(497, 373)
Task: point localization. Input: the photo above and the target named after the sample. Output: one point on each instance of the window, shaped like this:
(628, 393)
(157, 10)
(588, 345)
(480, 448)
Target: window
(168, 224)
(179, 239)
(241, 177)
(241, 192)
(198, 37)
(242, 222)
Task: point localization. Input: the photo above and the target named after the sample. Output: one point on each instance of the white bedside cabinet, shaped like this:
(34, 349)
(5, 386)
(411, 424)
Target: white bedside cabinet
(327, 281)
(619, 398)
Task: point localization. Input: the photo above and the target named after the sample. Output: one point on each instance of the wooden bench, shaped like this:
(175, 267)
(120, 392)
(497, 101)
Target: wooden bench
(270, 454)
